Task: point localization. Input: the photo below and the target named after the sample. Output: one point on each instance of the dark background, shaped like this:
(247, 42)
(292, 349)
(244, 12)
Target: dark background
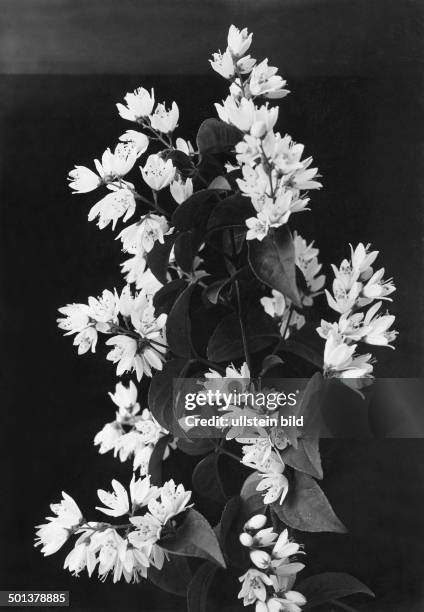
(355, 70)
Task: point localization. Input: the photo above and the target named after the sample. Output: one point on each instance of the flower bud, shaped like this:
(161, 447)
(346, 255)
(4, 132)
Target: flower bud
(246, 539)
(258, 129)
(260, 558)
(256, 522)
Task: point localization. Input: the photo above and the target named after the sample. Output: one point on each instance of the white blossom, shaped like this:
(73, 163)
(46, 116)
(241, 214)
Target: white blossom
(139, 105)
(141, 236)
(163, 120)
(117, 502)
(119, 203)
(238, 41)
(52, 535)
(83, 180)
(223, 64)
(264, 81)
(158, 173)
(181, 190)
(138, 140)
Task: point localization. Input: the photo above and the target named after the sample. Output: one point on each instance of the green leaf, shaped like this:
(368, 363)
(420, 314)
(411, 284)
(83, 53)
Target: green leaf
(195, 446)
(156, 460)
(273, 262)
(329, 586)
(306, 508)
(307, 344)
(226, 341)
(178, 326)
(194, 538)
(206, 479)
(158, 258)
(216, 136)
(161, 392)
(186, 248)
(253, 501)
(306, 457)
(165, 297)
(231, 212)
(194, 212)
(197, 594)
(174, 577)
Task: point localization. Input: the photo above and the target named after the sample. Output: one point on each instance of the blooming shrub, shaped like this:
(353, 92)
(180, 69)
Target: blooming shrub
(216, 287)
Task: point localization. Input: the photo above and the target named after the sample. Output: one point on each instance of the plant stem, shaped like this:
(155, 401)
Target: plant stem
(283, 335)
(242, 328)
(223, 451)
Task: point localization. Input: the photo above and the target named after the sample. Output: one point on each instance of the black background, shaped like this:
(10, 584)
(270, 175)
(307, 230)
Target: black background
(355, 73)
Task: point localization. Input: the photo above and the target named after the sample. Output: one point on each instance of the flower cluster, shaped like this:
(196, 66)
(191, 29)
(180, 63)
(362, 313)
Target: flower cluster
(132, 434)
(280, 307)
(269, 583)
(355, 287)
(274, 175)
(138, 342)
(150, 510)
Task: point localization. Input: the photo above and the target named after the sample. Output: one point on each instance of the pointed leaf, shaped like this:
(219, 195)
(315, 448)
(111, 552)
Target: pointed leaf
(216, 136)
(174, 577)
(178, 326)
(166, 296)
(194, 538)
(195, 211)
(253, 501)
(231, 212)
(160, 398)
(306, 507)
(226, 341)
(156, 459)
(273, 262)
(329, 586)
(197, 594)
(158, 258)
(206, 479)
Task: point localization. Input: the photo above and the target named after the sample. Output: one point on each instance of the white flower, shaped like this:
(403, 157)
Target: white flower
(158, 173)
(77, 318)
(108, 437)
(120, 202)
(223, 64)
(173, 500)
(264, 81)
(254, 586)
(107, 545)
(276, 486)
(52, 535)
(83, 180)
(86, 340)
(139, 105)
(134, 268)
(138, 140)
(143, 234)
(377, 287)
(181, 190)
(344, 299)
(104, 309)
(125, 398)
(141, 491)
(241, 114)
(142, 455)
(238, 41)
(184, 146)
(260, 558)
(117, 501)
(148, 530)
(80, 557)
(340, 359)
(165, 121)
(117, 164)
(125, 355)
